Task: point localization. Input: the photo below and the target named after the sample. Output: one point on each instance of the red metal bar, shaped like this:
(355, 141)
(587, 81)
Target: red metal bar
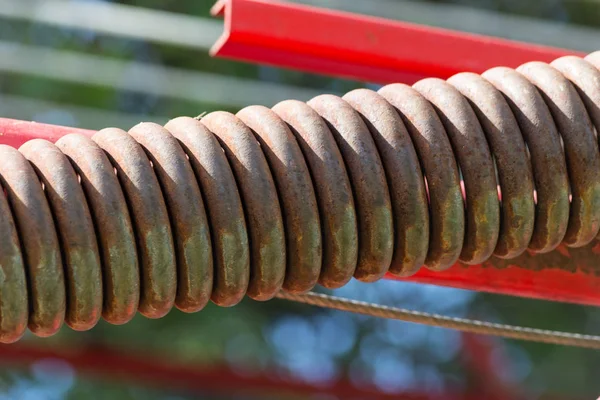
(360, 47)
(567, 275)
(161, 373)
(14, 132)
(484, 358)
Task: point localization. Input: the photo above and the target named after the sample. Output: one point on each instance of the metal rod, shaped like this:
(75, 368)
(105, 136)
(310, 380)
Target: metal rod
(354, 46)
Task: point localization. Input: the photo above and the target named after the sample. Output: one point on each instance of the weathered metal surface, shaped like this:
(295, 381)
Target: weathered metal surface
(371, 195)
(404, 178)
(447, 216)
(506, 163)
(75, 232)
(14, 307)
(506, 143)
(586, 80)
(259, 197)
(332, 189)
(547, 159)
(224, 209)
(116, 240)
(154, 238)
(39, 243)
(472, 153)
(296, 194)
(191, 235)
(580, 148)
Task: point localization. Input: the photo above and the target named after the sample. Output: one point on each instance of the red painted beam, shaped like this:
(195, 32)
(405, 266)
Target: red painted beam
(161, 372)
(365, 48)
(485, 358)
(14, 132)
(566, 274)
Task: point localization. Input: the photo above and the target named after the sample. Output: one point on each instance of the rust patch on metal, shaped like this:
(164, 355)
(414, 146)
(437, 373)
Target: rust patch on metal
(75, 232)
(259, 198)
(580, 149)
(296, 193)
(40, 246)
(191, 234)
(512, 163)
(14, 303)
(404, 179)
(447, 215)
(156, 252)
(547, 159)
(586, 80)
(116, 242)
(332, 190)
(473, 156)
(229, 237)
(371, 195)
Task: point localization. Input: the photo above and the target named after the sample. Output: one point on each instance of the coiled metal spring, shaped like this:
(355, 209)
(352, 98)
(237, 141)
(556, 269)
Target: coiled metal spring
(299, 194)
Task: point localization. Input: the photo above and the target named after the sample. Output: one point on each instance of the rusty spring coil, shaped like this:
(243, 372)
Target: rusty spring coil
(300, 194)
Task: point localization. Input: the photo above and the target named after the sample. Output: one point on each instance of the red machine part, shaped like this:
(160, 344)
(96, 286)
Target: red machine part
(359, 47)
(101, 362)
(14, 132)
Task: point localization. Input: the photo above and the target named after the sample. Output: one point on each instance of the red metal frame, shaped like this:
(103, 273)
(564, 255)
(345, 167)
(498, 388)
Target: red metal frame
(95, 361)
(161, 372)
(483, 357)
(360, 47)
(565, 274)
(14, 132)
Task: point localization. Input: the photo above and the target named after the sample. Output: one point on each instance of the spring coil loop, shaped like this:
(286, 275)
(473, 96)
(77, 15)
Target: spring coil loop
(299, 194)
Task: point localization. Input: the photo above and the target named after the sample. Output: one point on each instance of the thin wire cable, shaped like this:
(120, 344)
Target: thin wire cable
(460, 324)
